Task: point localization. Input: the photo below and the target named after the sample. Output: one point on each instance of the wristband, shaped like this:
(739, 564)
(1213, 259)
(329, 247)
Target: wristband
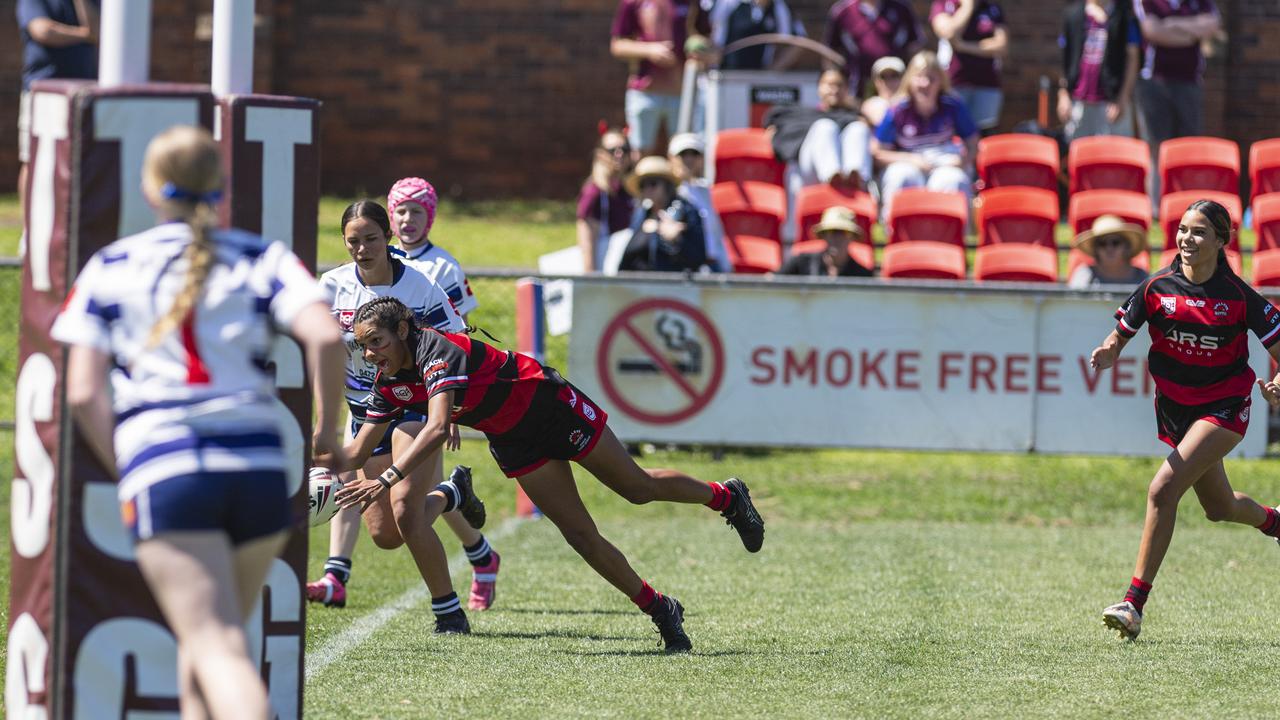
(385, 482)
(396, 470)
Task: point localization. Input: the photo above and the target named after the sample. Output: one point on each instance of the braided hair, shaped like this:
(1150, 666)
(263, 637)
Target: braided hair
(182, 174)
(386, 313)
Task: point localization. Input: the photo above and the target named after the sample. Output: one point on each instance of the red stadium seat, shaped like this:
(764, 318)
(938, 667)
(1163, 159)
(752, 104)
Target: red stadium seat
(1266, 221)
(746, 154)
(1105, 162)
(750, 254)
(1199, 163)
(1016, 214)
(919, 214)
(1017, 159)
(1266, 268)
(861, 252)
(812, 200)
(923, 259)
(1264, 167)
(1017, 262)
(1088, 205)
(750, 208)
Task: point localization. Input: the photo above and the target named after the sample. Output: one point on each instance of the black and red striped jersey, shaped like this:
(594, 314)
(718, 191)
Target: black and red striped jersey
(493, 388)
(1199, 341)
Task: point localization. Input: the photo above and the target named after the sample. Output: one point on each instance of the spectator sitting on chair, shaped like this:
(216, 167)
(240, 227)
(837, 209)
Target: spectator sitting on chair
(1100, 47)
(826, 144)
(1112, 243)
(863, 31)
(886, 76)
(604, 208)
(733, 20)
(916, 141)
(972, 41)
(839, 227)
(667, 229)
(687, 155)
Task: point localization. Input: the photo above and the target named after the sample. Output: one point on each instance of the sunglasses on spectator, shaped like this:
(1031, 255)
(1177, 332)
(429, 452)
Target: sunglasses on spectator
(651, 182)
(689, 153)
(890, 76)
(1111, 241)
(618, 150)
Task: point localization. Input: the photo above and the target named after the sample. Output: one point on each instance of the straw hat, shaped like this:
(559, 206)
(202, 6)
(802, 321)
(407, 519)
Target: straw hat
(652, 166)
(838, 218)
(1112, 225)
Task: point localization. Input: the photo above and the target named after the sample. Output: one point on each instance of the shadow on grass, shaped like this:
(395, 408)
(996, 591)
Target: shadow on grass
(563, 611)
(566, 634)
(658, 651)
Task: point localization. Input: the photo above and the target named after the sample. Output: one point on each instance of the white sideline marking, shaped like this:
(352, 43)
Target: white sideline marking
(362, 629)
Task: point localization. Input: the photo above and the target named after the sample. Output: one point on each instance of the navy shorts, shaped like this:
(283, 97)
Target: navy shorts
(246, 504)
(1174, 420)
(384, 445)
(569, 425)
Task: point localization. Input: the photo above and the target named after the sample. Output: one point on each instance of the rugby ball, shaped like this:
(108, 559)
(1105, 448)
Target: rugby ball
(321, 504)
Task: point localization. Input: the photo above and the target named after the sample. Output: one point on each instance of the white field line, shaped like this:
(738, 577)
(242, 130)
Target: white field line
(362, 629)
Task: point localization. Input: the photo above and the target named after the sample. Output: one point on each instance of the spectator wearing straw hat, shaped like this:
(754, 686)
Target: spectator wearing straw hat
(667, 230)
(687, 153)
(838, 228)
(1112, 244)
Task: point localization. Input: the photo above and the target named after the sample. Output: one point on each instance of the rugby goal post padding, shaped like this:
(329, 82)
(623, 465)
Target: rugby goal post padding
(85, 637)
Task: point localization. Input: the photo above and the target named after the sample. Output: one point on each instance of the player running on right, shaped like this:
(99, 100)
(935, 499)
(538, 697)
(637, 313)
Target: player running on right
(1199, 312)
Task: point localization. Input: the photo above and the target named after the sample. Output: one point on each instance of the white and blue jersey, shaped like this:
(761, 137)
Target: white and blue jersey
(199, 406)
(444, 269)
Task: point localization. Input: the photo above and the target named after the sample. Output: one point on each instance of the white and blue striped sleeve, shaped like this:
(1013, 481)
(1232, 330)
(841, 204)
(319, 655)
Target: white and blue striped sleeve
(86, 317)
(292, 286)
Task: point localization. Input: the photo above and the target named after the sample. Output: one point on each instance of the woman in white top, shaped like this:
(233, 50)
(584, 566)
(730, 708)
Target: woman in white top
(180, 321)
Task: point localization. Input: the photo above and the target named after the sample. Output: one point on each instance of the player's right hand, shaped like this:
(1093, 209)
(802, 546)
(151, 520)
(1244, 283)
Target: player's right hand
(1103, 357)
(1270, 392)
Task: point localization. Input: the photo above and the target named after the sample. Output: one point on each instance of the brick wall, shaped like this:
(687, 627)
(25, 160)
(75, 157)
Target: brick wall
(500, 98)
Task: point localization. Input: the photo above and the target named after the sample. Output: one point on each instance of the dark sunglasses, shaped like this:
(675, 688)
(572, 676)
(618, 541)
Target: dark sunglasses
(649, 182)
(890, 76)
(1112, 241)
(688, 153)
(619, 150)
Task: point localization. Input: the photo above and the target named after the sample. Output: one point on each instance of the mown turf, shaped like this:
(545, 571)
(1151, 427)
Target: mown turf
(891, 585)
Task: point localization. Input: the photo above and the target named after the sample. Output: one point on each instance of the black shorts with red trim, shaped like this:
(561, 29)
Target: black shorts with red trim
(568, 425)
(1174, 420)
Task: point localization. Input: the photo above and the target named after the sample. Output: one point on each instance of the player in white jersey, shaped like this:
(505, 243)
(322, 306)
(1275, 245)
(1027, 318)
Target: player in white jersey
(411, 202)
(375, 272)
(180, 320)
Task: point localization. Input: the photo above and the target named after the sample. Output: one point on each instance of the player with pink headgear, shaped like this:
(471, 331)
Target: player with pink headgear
(412, 203)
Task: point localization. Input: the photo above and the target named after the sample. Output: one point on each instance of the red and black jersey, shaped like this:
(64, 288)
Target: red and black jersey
(493, 389)
(1199, 342)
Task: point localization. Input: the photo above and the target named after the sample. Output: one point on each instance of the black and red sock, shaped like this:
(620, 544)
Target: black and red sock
(720, 497)
(647, 599)
(1271, 526)
(1137, 594)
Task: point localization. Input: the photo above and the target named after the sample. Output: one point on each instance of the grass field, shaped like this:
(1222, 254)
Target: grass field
(891, 585)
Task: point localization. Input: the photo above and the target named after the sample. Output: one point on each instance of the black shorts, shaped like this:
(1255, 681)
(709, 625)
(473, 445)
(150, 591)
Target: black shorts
(1174, 420)
(568, 426)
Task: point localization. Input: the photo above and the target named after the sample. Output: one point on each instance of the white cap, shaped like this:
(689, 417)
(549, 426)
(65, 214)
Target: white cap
(888, 62)
(686, 141)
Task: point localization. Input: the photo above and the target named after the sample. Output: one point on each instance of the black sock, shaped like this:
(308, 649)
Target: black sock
(340, 567)
(479, 554)
(446, 604)
(452, 496)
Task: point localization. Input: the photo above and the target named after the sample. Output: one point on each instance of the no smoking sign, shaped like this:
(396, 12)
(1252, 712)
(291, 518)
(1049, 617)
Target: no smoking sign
(660, 361)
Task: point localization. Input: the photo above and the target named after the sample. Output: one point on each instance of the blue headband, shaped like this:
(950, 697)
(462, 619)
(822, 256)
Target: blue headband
(172, 192)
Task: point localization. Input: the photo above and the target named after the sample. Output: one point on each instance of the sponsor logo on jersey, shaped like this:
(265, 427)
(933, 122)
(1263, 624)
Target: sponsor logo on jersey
(1169, 305)
(573, 398)
(402, 392)
(1195, 302)
(1244, 414)
(1220, 309)
(589, 411)
(345, 317)
(578, 439)
(1192, 340)
(434, 369)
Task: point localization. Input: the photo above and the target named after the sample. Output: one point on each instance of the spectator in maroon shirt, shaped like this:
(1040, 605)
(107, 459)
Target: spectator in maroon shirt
(604, 207)
(1100, 47)
(866, 30)
(650, 35)
(1170, 93)
(972, 42)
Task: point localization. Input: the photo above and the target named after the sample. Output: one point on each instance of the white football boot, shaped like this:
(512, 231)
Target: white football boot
(1124, 618)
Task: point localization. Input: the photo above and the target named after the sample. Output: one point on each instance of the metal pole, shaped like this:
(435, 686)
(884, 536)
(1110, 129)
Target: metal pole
(124, 45)
(232, 47)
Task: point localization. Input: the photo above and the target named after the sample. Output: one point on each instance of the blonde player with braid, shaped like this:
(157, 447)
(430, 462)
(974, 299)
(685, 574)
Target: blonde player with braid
(179, 321)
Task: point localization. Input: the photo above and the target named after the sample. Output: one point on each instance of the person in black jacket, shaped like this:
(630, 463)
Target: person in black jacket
(827, 143)
(667, 230)
(1100, 42)
(839, 227)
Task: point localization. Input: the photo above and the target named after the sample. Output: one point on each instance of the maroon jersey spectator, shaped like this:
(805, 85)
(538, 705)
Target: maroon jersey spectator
(1100, 46)
(1170, 95)
(1200, 314)
(650, 35)
(604, 207)
(536, 422)
(972, 42)
(866, 30)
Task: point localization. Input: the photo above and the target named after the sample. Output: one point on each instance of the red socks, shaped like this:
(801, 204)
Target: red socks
(646, 599)
(720, 497)
(1271, 526)
(1138, 593)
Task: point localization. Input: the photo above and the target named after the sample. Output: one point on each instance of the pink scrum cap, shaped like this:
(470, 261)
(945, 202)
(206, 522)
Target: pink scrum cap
(413, 189)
